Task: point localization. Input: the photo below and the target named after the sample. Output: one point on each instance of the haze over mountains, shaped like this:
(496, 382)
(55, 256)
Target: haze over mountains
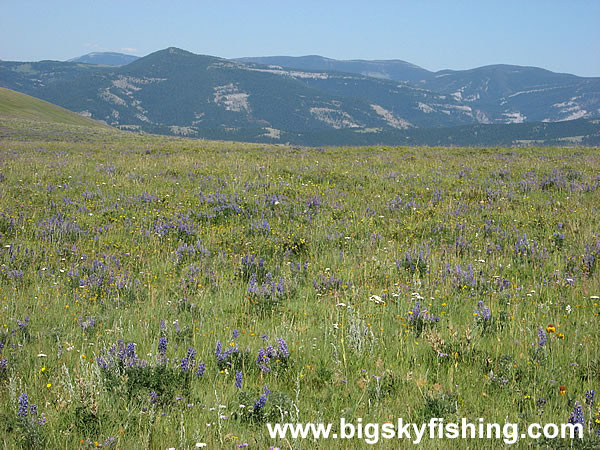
(305, 99)
(105, 58)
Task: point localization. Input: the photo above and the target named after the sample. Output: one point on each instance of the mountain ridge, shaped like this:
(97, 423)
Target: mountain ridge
(105, 58)
(174, 91)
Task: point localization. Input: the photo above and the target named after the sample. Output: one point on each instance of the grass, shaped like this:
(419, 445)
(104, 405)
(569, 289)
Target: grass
(21, 106)
(110, 238)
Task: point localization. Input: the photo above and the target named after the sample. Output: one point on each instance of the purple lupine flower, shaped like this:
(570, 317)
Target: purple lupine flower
(188, 361)
(283, 352)
(264, 337)
(88, 323)
(484, 311)
(577, 417)
(264, 368)
(131, 350)
(238, 379)
(42, 419)
(261, 402)
(280, 286)
(191, 353)
(185, 364)
(153, 397)
(418, 315)
(219, 351)
(33, 409)
(270, 351)
(162, 346)
(23, 405)
(415, 312)
(230, 351)
(102, 362)
(262, 356)
(235, 334)
(542, 337)
(589, 398)
(201, 369)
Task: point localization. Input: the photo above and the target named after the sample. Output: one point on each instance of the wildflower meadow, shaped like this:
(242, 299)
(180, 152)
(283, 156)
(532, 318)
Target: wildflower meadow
(175, 293)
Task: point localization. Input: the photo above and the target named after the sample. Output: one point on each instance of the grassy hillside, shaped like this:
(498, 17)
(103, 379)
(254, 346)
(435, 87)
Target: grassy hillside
(161, 292)
(21, 106)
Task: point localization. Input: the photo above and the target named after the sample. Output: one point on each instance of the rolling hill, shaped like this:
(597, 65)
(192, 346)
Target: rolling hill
(15, 105)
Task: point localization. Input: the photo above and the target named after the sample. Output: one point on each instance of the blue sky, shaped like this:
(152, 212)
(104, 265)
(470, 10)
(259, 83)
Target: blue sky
(562, 36)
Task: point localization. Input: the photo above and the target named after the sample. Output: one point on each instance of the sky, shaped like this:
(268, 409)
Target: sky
(562, 36)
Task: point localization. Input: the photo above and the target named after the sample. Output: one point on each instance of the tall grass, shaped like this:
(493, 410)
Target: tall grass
(290, 284)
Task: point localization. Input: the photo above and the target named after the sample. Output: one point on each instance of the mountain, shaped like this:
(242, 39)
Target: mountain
(176, 92)
(15, 105)
(499, 93)
(395, 69)
(514, 94)
(28, 77)
(23, 117)
(105, 58)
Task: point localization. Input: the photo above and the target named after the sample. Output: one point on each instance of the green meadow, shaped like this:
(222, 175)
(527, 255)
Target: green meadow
(167, 293)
